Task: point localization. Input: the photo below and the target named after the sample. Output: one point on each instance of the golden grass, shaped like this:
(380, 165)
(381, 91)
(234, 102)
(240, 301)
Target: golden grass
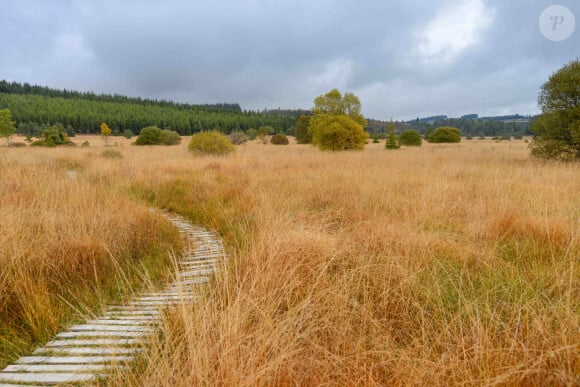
(444, 264)
(447, 264)
(69, 242)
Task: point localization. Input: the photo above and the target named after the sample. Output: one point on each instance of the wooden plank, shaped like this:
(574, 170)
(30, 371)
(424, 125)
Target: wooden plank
(47, 378)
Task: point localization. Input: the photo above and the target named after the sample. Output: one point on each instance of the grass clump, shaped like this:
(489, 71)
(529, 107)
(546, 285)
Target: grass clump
(211, 143)
(111, 154)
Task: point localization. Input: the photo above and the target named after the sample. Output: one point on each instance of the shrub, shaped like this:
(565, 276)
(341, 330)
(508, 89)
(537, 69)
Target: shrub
(238, 138)
(444, 134)
(252, 133)
(112, 154)
(85, 144)
(410, 137)
(337, 132)
(375, 138)
(210, 143)
(128, 134)
(169, 137)
(301, 130)
(279, 139)
(149, 136)
(53, 136)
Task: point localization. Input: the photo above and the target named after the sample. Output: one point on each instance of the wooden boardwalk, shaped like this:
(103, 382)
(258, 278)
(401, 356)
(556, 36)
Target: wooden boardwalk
(87, 352)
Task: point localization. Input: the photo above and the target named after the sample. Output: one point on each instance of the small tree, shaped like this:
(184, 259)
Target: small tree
(410, 137)
(264, 132)
(279, 139)
(301, 131)
(444, 134)
(337, 123)
(211, 143)
(392, 139)
(7, 128)
(105, 132)
(557, 130)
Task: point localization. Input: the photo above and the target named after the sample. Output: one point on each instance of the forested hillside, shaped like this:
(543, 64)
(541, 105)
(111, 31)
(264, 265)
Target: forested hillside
(84, 112)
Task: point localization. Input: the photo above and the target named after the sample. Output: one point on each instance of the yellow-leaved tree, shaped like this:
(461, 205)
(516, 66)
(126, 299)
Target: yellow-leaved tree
(337, 123)
(105, 132)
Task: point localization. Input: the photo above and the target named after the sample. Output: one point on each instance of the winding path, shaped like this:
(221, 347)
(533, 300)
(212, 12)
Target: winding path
(89, 351)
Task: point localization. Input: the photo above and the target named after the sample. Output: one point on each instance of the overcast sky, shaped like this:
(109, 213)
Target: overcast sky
(403, 59)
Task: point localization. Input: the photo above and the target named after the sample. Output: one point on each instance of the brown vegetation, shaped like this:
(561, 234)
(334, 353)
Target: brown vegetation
(447, 264)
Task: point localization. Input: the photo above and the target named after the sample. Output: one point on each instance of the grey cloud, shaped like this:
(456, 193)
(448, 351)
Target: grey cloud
(273, 54)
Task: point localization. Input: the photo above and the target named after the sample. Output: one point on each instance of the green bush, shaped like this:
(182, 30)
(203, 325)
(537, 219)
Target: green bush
(112, 154)
(238, 138)
(252, 133)
(444, 134)
(85, 144)
(279, 139)
(169, 137)
(149, 136)
(302, 131)
(210, 143)
(410, 137)
(128, 134)
(53, 136)
(337, 132)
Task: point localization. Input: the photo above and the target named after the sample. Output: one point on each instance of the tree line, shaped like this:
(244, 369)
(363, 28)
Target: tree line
(84, 113)
(468, 127)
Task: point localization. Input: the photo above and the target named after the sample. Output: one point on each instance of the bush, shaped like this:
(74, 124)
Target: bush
(375, 138)
(85, 144)
(301, 130)
(53, 136)
(149, 136)
(337, 132)
(252, 133)
(210, 143)
(279, 139)
(169, 137)
(128, 134)
(410, 138)
(112, 154)
(444, 134)
(238, 138)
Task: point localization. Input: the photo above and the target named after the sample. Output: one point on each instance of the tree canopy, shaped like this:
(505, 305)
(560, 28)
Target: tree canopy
(84, 112)
(7, 128)
(337, 123)
(557, 130)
